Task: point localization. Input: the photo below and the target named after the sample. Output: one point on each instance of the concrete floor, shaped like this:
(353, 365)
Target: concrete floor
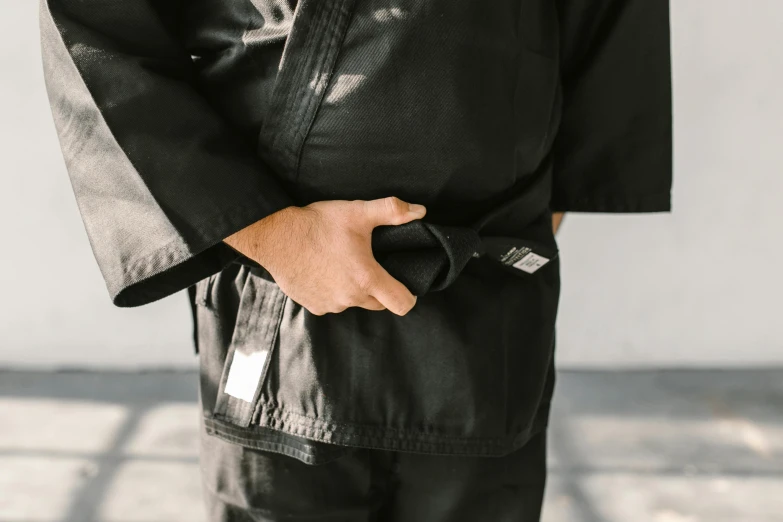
(654, 446)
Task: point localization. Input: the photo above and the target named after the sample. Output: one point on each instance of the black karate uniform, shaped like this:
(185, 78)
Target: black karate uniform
(182, 122)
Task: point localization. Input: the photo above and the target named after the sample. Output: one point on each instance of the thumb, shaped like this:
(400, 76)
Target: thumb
(392, 211)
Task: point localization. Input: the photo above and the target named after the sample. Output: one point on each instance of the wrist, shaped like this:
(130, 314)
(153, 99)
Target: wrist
(264, 240)
(250, 241)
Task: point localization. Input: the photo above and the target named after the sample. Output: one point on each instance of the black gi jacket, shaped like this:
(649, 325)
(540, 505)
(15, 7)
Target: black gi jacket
(182, 122)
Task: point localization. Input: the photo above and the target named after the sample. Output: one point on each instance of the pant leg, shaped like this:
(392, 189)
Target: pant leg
(246, 485)
(468, 489)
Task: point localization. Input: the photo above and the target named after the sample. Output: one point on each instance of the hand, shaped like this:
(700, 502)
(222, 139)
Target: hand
(321, 254)
(557, 219)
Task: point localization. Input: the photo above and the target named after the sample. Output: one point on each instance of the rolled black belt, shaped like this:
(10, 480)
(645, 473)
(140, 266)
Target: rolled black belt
(427, 257)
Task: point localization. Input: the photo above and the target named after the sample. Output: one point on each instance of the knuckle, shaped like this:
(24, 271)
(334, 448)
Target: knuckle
(335, 307)
(345, 301)
(365, 280)
(395, 206)
(369, 305)
(316, 311)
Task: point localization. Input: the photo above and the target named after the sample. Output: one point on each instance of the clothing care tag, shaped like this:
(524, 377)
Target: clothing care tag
(245, 374)
(526, 256)
(530, 263)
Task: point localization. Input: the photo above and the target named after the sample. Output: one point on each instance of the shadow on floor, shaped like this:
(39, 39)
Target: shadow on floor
(658, 446)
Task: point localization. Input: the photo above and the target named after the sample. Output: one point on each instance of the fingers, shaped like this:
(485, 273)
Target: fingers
(371, 304)
(391, 211)
(365, 282)
(390, 293)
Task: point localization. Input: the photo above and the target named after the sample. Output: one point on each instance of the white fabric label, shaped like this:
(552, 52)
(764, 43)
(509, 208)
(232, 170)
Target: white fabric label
(530, 263)
(245, 374)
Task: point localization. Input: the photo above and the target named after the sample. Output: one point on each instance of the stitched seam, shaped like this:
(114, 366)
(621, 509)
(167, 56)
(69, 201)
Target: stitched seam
(178, 253)
(135, 271)
(258, 406)
(488, 442)
(483, 447)
(304, 420)
(238, 433)
(306, 108)
(319, 59)
(224, 404)
(293, 94)
(261, 444)
(335, 44)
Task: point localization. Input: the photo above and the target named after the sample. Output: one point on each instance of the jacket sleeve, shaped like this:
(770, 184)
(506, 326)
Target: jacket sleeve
(613, 150)
(160, 178)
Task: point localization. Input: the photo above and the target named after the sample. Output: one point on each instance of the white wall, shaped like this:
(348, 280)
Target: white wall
(699, 287)
(702, 286)
(54, 307)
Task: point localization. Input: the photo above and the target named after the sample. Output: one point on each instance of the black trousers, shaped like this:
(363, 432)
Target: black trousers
(246, 485)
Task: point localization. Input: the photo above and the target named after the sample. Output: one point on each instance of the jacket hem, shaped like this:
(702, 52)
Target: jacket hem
(332, 441)
(277, 442)
(181, 264)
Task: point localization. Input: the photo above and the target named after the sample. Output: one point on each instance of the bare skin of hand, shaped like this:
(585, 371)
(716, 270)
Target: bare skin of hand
(321, 254)
(557, 218)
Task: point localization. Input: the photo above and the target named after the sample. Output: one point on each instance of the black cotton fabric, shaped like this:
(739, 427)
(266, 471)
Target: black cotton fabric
(425, 257)
(182, 122)
(247, 485)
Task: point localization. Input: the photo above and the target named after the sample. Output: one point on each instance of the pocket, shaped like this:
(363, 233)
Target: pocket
(247, 360)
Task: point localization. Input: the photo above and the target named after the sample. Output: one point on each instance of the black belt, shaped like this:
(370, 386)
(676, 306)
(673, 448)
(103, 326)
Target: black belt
(426, 257)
